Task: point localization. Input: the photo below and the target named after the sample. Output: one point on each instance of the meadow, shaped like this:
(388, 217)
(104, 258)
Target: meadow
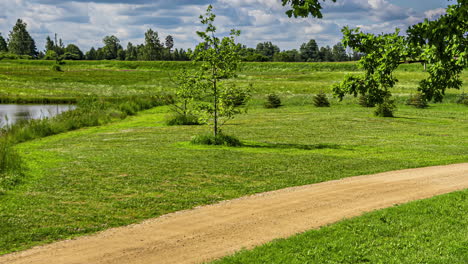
(128, 170)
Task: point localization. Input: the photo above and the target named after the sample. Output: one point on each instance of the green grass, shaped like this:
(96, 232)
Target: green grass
(34, 79)
(428, 231)
(92, 179)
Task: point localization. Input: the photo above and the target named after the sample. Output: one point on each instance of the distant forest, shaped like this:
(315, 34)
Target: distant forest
(20, 44)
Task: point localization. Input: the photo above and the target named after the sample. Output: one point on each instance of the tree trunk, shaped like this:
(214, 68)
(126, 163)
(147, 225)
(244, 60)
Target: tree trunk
(215, 91)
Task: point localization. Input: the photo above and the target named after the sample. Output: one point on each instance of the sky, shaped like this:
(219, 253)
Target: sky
(85, 23)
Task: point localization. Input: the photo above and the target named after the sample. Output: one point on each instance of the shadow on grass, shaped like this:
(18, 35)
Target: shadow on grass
(289, 146)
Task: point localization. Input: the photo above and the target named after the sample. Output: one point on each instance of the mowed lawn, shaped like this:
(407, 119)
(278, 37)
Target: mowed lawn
(95, 178)
(92, 179)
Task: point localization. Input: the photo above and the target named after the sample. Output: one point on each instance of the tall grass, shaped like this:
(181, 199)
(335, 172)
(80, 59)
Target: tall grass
(10, 164)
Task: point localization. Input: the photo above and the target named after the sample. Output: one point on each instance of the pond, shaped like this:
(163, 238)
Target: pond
(12, 113)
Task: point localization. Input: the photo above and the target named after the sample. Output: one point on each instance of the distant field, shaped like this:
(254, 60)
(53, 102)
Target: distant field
(116, 78)
(92, 179)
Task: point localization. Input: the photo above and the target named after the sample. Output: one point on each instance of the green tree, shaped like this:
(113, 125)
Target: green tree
(3, 44)
(131, 53)
(153, 46)
(169, 42)
(325, 54)
(310, 51)
(72, 52)
(20, 42)
(383, 54)
(441, 43)
(49, 44)
(218, 60)
(339, 53)
(111, 47)
(267, 49)
(302, 8)
(91, 54)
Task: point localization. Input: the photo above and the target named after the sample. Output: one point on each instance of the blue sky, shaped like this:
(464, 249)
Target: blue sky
(85, 23)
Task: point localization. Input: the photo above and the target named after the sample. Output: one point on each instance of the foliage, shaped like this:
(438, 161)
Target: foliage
(111, 47)
(182, 120)
(365, 101)
(417, 101)
(378, 63)
(188, 94)
(310, 51)
(153, 46)
(219, 60)
(56, 67)
(442, 44)
(72, 52)
(219, 139)
(321, 100)
(3, 44)
(267, 49)
(273, 101)
(386, 108)
(11, 168)
(19, 40)
(302, 8)
(463, 99)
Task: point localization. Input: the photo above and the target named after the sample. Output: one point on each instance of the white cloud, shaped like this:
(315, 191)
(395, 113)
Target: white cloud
(86, 22)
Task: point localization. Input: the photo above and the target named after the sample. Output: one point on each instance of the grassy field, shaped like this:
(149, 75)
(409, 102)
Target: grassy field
(35, 79)
(120, 173)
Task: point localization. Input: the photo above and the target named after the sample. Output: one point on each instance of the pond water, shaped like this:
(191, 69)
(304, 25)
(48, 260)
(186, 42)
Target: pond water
(12, 113)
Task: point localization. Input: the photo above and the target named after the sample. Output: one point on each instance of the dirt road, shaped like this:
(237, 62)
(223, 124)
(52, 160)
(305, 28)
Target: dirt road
(214, 231)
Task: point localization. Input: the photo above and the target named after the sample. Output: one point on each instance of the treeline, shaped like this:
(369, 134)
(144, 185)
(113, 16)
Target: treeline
(308, 52)
(20, 44)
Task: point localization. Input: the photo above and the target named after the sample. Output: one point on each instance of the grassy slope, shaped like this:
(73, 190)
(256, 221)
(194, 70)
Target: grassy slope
(96, 178)
(428, 231)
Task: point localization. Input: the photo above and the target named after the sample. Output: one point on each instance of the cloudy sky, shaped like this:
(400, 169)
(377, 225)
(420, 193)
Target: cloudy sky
(85, 22)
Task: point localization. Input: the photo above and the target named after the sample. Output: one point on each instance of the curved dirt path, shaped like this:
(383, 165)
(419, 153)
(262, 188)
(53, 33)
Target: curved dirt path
(210, 232)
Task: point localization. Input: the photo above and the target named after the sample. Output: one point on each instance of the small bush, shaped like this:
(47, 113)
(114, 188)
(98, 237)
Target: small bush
(220, 139)
(273, 101)
(321, 100)
(365, 101)
(463, 99)
(56, 68)
(386, 108)
(182, 120)
(417, 101)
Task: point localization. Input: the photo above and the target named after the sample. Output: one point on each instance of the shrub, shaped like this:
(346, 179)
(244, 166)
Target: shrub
(321, 100)
(417, 101)
(463, 99)
(182, 120)
(220, 139)
(365, 101)
(273, 101)
(386, 108)
(56, 67)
